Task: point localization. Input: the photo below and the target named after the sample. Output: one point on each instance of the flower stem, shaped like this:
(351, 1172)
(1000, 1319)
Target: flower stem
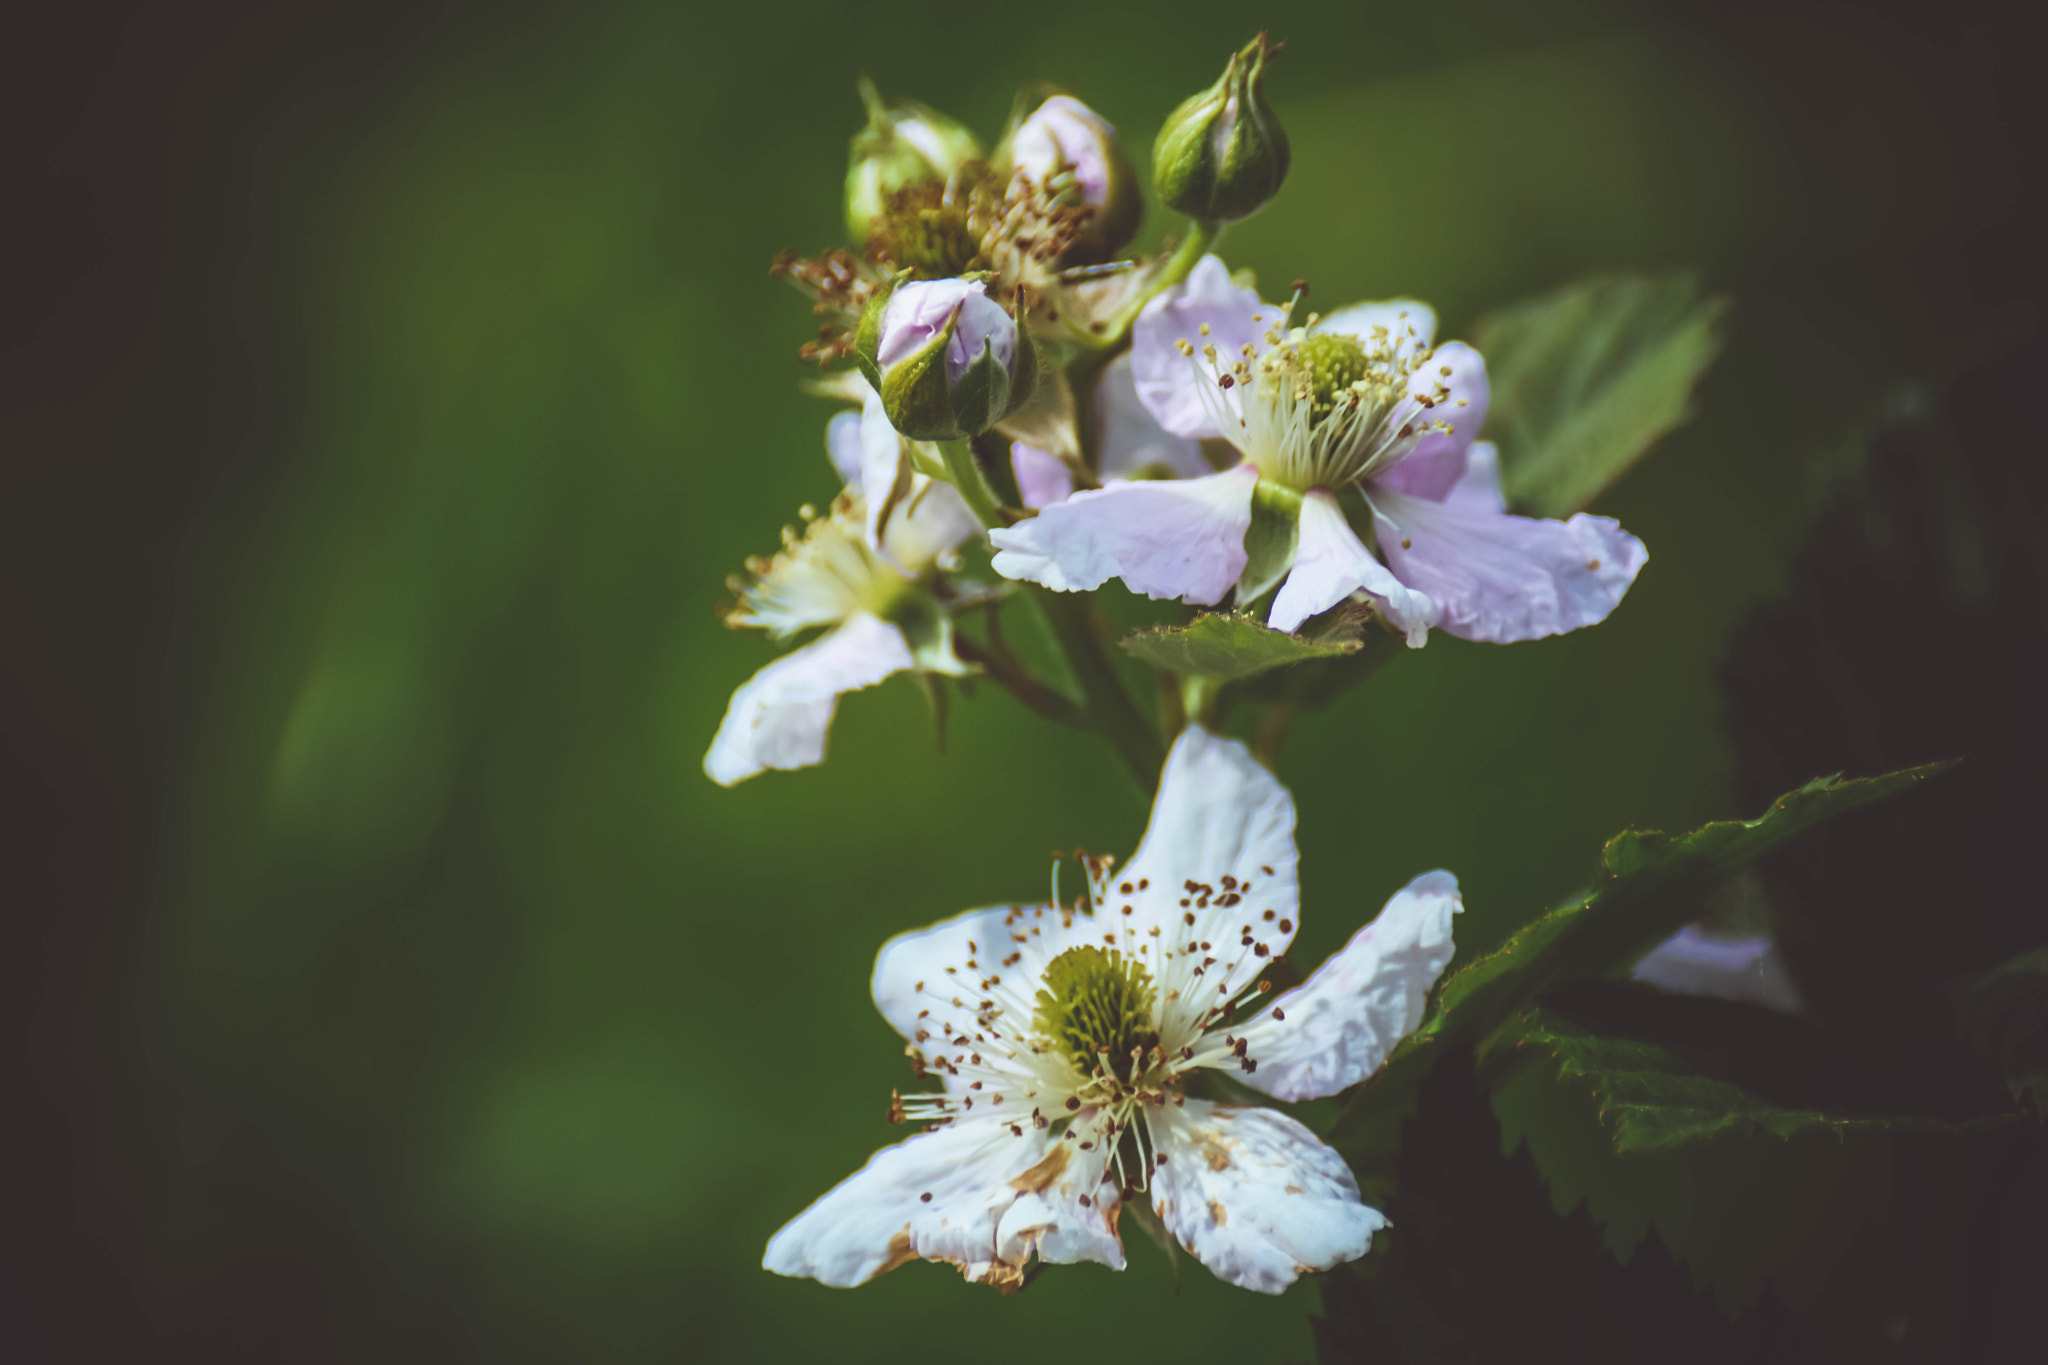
(1109, 705)
(973, 488)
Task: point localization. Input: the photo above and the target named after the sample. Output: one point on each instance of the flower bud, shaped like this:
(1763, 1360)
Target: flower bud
(947, 360)
(1070, 151)
(904, 144)
(1222, 155)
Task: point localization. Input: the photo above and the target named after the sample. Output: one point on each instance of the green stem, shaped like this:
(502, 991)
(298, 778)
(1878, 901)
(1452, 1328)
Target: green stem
(966, 477)
(1109, 705)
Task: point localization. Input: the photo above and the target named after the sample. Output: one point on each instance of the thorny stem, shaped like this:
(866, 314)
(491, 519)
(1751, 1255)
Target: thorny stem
(1002, 667)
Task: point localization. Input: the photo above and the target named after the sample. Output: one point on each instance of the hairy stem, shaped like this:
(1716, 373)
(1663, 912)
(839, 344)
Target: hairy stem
(1115, 715)
(973, 488)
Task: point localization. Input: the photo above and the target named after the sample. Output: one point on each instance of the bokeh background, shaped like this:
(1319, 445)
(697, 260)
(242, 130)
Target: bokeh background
(389, 389)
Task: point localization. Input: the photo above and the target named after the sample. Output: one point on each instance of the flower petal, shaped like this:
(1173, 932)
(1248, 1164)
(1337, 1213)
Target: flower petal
(1131, 442)
(911, 972)
(1501, 578)
(927, 525)
(1693, 962)
(884, 465)
(1181, 539)
(1335, 1029)
(1172, 386)
(779, 717)
(971, 1193)
(1448, 390)
(1042, 479)
(1411, 324)
(844, 445)
(1254, 1196)
(1331, 563)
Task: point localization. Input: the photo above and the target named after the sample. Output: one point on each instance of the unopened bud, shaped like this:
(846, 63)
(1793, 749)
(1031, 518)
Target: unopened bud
(1071, 151)
(1222, 155)
(947, 360)
(904, 145)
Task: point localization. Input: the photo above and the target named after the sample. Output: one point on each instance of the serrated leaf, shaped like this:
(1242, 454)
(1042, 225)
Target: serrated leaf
(1650, 884)
(1586, 379)
(1671, 1069)
(1229, 648)
(2004, 1014)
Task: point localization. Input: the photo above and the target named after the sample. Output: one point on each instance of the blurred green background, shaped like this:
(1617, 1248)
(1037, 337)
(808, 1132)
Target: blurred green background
(394, 387)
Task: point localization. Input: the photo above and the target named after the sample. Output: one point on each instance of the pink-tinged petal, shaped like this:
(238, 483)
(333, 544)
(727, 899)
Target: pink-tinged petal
(1042, 479)
(1178, 539)
(1501, 578)
(1410, 324)
(1749, 970)
(1335, 1029)
(779, 717)
(1130, 440)
(1434, 470)
(1254, 1196)
(1223, 822)
(920, 310)
(915, 973)
(1331, 563)
(1172, 386)
(1449, 389)
(844, 445)
(954, 1194)
(1478, 489)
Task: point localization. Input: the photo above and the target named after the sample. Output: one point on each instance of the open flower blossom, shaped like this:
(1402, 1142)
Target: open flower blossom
(1359, 400)
(1064, 1038)
(870, 585)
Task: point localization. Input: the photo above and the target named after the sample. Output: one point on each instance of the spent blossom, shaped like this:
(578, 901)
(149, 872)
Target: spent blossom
(1063, 1038)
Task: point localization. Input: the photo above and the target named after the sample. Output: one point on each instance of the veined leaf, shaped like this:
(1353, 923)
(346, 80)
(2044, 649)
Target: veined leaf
(1587, 378)
(1228, 647)
(1670, 1069)
(1650, 883)
(2004, 1014)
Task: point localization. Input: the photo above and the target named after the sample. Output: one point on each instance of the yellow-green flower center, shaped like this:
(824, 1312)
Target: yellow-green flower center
(1095, 1008)
(1334, 364)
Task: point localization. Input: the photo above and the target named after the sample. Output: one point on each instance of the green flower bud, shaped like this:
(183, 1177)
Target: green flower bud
(1222, 155)
(947, 360)
(904, 145)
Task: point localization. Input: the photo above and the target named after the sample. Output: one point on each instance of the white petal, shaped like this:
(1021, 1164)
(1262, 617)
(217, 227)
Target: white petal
(779, 717)
(1411, 324)
(930, 521)
(1254, 1196)
(1501, 578)
(1129, 439)
(884, 463)
(1042, 479)
(911, 973)
(844, 445)
(1180, 392)
(1478, 489)
(994, 1198)
(1335, 1029)
(1693, 962)
(1179, 539)
(1331, 563)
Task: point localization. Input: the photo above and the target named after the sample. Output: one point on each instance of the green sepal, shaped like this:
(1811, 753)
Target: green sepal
(1229, 648)
(867, 338)
(915, 394)
(928, 629)
(1270, 541)
(982, 396)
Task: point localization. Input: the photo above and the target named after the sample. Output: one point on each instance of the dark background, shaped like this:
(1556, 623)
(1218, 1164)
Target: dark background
(387, 390)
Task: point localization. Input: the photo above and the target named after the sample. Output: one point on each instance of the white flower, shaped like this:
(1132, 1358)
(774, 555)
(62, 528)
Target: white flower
(1064, 1038)
(870, 586)
(1358, 400)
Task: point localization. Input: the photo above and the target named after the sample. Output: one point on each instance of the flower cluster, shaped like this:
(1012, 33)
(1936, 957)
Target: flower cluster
(1030, 409)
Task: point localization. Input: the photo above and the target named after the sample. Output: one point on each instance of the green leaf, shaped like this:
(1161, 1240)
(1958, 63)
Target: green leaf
(2004, 1014)
(1229, 648)
(1587, 378)
(1650, 884)
(1671, 1069)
